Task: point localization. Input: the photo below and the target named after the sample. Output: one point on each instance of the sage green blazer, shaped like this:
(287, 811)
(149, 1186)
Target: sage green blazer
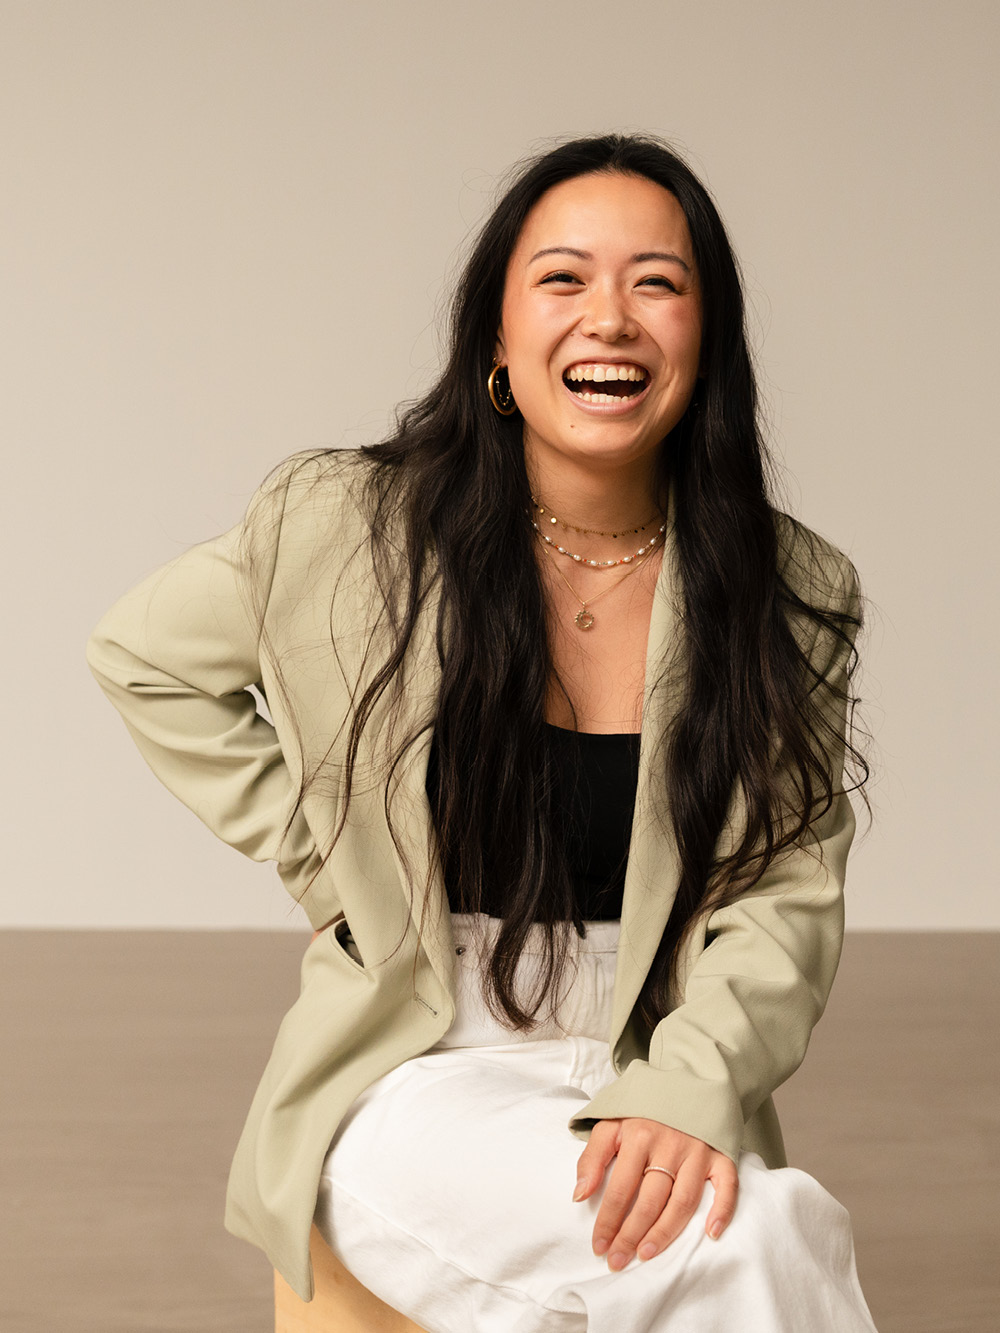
(292, 584)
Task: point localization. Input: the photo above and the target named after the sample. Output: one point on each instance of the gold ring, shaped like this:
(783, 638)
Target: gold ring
(663, 1169)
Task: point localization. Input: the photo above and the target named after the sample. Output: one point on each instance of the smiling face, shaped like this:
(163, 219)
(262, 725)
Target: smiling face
(601, 322)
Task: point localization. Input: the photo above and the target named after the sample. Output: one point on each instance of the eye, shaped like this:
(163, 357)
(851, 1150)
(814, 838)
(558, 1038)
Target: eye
(656, 280)
(561, 276)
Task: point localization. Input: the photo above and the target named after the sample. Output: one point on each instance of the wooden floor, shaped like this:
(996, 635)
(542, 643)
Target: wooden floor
(129, 1060)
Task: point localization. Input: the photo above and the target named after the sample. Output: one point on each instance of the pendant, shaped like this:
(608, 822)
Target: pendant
(583, 619)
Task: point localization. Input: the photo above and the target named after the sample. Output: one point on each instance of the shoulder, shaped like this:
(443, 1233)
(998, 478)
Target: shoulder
(812, 568)
(820, 589)
(312, 501)
(323, 480)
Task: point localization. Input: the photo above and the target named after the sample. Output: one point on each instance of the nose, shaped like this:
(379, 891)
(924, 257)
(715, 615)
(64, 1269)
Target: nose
(607, 315)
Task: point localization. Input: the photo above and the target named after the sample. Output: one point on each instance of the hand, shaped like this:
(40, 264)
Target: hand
(663, 1207)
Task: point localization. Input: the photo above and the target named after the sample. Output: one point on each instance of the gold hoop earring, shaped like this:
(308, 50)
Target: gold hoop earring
(502, 400)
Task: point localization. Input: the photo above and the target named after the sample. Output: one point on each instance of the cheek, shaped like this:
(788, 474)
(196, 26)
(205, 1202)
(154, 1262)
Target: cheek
(533, 322)
(530, 389)
(516, 325)
(684, 342)
(529, 345)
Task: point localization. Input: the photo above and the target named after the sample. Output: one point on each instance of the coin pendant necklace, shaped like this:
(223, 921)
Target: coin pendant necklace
(584, 618)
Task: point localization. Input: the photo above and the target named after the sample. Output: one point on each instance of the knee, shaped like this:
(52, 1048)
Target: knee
(784, 1204)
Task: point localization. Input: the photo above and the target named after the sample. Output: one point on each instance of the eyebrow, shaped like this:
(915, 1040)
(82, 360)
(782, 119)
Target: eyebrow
(647, 256)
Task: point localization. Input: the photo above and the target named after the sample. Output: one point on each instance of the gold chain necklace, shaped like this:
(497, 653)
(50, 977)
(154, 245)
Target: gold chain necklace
(584, 619)
(594, 532)
(602, 564)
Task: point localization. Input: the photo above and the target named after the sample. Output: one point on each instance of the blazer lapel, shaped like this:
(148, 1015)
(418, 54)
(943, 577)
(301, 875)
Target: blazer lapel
(653, 872)
(409, 808)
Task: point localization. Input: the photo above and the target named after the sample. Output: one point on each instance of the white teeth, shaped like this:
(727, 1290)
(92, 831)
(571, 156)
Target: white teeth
(601, 372)
(601, 398)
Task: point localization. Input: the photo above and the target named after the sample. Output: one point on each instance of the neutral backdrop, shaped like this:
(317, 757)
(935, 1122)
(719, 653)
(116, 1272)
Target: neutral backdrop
(228, 230)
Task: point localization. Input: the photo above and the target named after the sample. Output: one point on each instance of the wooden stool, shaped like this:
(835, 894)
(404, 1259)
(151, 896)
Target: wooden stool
(340, 1303)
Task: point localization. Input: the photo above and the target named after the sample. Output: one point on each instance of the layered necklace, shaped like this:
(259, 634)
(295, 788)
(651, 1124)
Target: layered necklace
(584, 618)
(595, 532)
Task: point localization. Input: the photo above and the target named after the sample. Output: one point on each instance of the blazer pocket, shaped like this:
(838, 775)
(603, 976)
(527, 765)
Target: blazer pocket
(339, 933)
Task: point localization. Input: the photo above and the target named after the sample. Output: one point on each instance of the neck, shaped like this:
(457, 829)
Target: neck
(606, 497)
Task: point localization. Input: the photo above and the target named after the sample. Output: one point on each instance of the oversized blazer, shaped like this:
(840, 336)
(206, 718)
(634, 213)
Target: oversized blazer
(286, 602)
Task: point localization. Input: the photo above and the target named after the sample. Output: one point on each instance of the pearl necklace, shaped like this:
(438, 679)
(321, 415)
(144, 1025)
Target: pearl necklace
(602, 564)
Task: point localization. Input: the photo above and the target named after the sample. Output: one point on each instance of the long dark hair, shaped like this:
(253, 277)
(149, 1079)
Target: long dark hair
(447, 494)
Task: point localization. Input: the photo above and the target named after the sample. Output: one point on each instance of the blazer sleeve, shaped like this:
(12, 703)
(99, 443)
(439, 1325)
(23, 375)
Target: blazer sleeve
(176, 656)
(760, 979)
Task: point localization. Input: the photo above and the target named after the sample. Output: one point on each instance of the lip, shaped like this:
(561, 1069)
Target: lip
(606, 361)
(620, 406)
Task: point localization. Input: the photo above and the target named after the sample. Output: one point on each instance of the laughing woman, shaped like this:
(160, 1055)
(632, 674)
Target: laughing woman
(560, 708)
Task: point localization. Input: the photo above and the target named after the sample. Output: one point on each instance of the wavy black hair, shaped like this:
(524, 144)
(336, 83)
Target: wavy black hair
(448, 500)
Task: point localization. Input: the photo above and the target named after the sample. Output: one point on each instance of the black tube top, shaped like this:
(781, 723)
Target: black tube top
(596, 779)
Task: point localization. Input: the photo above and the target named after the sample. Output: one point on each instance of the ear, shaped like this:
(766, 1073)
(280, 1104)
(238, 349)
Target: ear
(498, 351)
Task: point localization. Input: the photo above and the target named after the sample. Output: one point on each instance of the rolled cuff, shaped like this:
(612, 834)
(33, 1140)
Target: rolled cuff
(676, 1097)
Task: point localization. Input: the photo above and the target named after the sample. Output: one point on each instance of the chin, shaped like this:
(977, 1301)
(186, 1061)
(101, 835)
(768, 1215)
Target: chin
(604, 452)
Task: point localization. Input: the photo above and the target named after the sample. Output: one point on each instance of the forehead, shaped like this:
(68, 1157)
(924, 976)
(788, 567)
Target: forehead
(608, 213)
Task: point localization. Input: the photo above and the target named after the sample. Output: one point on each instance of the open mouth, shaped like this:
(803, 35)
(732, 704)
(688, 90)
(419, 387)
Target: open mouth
(598, 382)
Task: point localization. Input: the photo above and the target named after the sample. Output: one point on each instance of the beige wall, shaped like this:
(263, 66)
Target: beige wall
(225, 230)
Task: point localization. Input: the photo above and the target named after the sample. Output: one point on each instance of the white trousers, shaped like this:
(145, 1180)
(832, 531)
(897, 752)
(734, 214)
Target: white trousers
(448, 1189)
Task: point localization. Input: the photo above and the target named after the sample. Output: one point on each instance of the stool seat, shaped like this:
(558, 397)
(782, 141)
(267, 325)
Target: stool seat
(340, 1303)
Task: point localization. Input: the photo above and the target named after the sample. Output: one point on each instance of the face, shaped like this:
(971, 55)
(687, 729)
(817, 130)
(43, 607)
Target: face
(601, 323)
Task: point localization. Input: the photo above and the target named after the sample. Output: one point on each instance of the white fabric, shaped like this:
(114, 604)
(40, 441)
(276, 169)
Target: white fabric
(448, 1189)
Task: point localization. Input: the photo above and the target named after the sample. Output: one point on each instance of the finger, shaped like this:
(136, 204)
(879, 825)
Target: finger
(655, 1189)
(680, 1208)
(619, 1192)
(726, 1182)
(593, 1161)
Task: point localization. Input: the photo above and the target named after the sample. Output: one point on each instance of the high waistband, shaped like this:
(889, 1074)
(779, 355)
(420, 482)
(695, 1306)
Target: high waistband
(582, 1007)
(473, 929)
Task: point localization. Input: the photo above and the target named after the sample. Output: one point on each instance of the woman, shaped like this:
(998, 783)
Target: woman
(559, 704)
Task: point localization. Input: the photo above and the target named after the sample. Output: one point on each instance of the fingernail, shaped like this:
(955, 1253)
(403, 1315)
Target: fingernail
(647, 1251)
(580, 1191)
(715, 1230)
(618, 1260)
(600, 1246)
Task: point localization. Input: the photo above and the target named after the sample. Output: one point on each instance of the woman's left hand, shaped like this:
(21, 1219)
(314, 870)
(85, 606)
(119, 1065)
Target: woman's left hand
(663, 1207)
